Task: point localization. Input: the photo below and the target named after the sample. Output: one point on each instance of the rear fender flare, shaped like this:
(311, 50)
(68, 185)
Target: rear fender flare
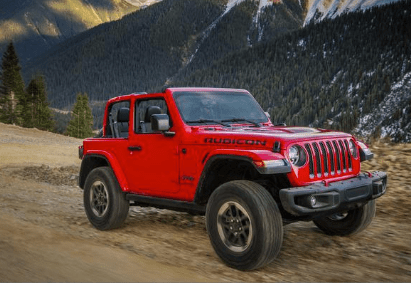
(88, 164)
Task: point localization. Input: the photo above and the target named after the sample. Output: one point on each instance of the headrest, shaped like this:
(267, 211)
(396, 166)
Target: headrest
(151, 110)
(123, 114)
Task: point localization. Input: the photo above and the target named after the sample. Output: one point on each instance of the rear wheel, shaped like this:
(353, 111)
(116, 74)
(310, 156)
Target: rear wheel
(347, 223)
(244, 225)
(104, 202)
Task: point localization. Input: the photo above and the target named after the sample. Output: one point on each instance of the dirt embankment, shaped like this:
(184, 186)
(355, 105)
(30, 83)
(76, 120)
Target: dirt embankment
(45, 234)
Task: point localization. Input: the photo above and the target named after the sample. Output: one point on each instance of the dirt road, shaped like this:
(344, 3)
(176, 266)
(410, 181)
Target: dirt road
(45, 234)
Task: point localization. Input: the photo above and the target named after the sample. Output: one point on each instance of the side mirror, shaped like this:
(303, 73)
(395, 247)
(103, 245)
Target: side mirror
(160, 122)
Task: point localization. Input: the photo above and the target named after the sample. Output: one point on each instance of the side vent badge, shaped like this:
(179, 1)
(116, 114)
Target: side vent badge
(277, 146)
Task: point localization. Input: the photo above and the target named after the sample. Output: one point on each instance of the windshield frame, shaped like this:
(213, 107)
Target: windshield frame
(178, 94)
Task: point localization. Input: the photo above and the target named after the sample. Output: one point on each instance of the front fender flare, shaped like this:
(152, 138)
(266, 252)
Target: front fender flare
(264, 161)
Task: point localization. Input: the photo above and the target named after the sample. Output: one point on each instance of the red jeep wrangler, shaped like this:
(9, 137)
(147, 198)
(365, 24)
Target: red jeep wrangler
(214, 152)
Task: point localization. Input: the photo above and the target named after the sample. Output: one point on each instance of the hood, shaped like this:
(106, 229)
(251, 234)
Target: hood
(272, 132)
(258, 138)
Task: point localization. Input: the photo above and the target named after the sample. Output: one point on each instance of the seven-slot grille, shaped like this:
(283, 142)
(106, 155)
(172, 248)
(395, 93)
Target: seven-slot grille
(330, 157)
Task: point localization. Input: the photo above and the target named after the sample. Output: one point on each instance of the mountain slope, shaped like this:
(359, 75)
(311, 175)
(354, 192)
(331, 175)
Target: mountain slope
(242, 25)
(37, 25)
(392, 117)
(158, 44)
(138, 52)
(168, 42)
(351, 73)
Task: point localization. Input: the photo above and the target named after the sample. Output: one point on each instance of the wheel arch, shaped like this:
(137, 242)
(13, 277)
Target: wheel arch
(222, 167)
(209, 180)
(94, 160)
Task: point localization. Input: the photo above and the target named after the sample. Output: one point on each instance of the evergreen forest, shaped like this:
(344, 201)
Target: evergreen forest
(152, 46)
(29, 107)
(328, 74)
(333, 74)
(20, 106)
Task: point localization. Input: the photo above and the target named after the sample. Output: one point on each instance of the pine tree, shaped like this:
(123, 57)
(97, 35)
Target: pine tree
(81, 123)
(36, 112)
(12, 95)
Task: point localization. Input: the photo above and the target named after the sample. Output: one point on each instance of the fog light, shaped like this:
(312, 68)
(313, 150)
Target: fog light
(313, 201)
(384, 186)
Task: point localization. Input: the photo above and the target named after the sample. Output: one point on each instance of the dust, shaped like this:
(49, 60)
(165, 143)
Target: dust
(395, 159)
(67, 175)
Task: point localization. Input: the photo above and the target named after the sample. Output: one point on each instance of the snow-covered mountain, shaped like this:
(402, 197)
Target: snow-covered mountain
(142, 3)
(391, 119)
(318, 10)
(351, 73)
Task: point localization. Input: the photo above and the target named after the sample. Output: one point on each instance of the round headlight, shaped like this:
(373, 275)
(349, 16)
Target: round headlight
(297, 155)
(294, 154)
(353, 148)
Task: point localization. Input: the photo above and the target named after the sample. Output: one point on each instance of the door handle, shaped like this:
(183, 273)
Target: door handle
(134, 148)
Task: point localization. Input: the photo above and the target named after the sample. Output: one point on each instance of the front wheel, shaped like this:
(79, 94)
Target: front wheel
(104, 202)
(347, 223)
(244, 225)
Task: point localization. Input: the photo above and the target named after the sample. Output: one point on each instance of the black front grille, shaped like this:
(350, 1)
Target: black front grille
(325, 157)
(332, 163)
(337, 155)
(318, 159)
(328, 158)
(349, 156)
(310, 160)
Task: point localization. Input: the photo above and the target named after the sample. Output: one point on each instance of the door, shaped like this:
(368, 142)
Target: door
(153, 165)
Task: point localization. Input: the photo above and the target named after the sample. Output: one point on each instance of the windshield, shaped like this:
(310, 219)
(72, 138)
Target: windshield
(219, 106)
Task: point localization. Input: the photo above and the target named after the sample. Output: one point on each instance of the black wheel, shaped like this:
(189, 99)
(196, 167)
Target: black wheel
(105, 204)
(244, 225)
(347, 223)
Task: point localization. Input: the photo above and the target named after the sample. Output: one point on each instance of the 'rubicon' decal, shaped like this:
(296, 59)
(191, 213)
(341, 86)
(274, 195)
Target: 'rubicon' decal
(234, 141)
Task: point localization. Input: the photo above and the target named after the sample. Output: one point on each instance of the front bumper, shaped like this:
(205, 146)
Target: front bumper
(320, 198)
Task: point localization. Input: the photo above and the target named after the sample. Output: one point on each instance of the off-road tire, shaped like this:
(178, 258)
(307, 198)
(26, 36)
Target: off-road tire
(104, 202)
(265, 228)
(352, 223)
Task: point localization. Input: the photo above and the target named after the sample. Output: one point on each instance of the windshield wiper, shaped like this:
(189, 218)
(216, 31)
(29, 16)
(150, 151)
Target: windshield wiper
(203, 121)
(242, 120)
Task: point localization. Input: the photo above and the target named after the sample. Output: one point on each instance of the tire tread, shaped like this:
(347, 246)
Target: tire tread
(366, 214)
(269, 215)
(120, 206)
